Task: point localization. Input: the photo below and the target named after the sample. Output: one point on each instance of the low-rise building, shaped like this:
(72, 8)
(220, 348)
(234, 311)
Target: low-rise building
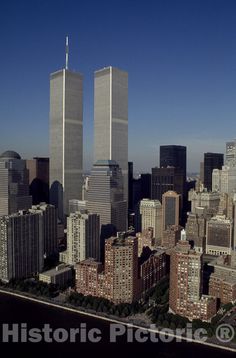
(61, 275)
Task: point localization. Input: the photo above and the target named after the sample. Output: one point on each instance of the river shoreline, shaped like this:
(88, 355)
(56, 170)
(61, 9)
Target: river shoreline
(68, 308)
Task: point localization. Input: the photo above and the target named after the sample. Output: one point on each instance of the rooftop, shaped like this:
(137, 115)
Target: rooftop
(106, 162)
(56, 270)
(10, 154)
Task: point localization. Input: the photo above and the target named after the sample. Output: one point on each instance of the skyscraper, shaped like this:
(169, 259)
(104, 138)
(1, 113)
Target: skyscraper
(173, 156)
(106, 196)
(66, 138)
(211, 161)
(230, 158)
(176, 156)
(151, 216)
(130, 184)
(111, 119)
(146, 184)
(39, 179)
(164, 179)
(14, 188)
(170, 209)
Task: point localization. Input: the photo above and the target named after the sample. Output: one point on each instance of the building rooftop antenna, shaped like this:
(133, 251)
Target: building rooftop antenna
(67, 51)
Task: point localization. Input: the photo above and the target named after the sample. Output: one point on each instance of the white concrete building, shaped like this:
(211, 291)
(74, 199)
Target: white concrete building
(151, 216)
(83, 238)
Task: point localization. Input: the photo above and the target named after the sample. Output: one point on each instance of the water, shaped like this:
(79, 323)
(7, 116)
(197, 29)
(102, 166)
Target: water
(17, 310)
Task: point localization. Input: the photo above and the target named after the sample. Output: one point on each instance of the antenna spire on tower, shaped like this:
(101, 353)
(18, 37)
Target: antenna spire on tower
(67, 51)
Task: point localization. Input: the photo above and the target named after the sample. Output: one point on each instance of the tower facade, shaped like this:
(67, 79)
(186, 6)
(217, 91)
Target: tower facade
(171, 208)
(82, 237)
(211, 161)
(219, 232)
(106, 195)
(49, 214)
(39, 179)
(121, 284)
(185, 295)
(173, 156)
(230, 158)
(111, 119)
(66, 139)
(151, 216)
(164, 179)
(21, 245)
(14, 188)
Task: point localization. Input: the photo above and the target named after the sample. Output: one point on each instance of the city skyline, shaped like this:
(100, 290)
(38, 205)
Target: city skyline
(110, 220)
(183, 57)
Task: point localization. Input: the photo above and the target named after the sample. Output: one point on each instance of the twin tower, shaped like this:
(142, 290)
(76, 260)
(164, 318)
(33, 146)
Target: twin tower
(66, 130)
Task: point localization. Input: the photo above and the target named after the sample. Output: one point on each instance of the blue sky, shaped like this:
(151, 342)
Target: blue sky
(180, 56)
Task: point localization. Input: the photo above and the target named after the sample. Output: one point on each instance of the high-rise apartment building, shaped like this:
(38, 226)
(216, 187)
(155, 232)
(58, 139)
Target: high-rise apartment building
(111, 119)
(121, 269)
(106, 196)
(118, 281)
(170, 209)
(83, 239)
(186, 273)
(14, 188)
(151, 216)
(38, 179)
(211, 161)
(49, 214)
(21, 245)
(185, 296)
(66, 139)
